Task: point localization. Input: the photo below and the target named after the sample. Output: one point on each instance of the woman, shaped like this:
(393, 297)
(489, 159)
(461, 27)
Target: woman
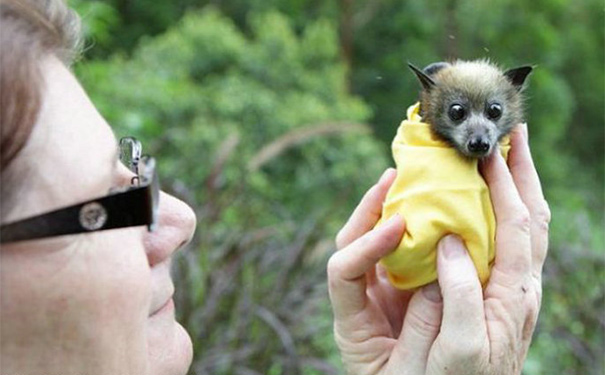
(79, 299)
(93, 303)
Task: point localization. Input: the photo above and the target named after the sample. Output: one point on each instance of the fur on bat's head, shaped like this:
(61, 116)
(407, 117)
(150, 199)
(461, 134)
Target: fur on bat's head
(471, 104)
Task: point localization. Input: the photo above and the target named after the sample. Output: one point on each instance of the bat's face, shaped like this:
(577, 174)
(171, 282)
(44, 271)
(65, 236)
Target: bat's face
(471, 105)
(472, 125)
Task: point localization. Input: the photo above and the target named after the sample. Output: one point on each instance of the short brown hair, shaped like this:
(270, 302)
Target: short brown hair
(29, 30)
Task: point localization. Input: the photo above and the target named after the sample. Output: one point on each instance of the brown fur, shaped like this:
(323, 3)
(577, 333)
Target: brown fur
(474, 85)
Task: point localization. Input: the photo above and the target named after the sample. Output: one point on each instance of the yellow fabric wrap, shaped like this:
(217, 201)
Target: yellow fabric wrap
(438, 192)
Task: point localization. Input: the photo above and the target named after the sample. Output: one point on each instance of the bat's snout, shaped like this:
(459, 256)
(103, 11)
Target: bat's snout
(478, 146)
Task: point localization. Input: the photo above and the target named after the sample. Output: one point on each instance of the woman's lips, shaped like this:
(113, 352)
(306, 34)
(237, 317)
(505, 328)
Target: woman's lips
(162, 292)
(166, 307)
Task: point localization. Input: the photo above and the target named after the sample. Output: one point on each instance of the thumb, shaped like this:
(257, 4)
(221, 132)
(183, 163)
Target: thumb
(463, 314)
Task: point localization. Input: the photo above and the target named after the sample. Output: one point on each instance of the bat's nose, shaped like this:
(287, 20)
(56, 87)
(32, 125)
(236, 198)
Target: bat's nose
(478, 145)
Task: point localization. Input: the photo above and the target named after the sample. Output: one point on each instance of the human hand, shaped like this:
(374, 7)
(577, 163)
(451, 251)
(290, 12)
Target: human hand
(490, 332)
(380, 330)
(369, 325)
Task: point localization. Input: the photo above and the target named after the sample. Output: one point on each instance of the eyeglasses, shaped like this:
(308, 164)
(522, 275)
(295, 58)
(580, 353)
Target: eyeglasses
(127, 207)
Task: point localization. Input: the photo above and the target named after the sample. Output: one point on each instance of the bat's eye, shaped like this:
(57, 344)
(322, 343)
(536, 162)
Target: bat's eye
(494, 111)
(456, 112)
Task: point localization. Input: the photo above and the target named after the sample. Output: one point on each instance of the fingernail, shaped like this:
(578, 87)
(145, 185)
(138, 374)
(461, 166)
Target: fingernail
(393, 219)
(524, 130)
(432, 292)
(498, 158)
(385, 175)
(451, 247)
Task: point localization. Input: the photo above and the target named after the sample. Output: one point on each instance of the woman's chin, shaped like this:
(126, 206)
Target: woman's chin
(185, 347)
(170, 349)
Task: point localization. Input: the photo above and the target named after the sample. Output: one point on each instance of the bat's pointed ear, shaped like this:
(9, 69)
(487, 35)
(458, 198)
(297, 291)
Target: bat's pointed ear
(427, 83)
(517, 76)
(433, 68)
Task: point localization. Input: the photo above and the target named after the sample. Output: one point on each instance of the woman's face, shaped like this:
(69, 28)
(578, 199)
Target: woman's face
(97, 303)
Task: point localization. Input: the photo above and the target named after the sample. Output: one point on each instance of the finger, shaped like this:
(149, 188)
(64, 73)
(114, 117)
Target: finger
(367, 212)
(528, 184)
(420, 329)
(522, 166)
(347, 268)
(513, 258)
(463, 313)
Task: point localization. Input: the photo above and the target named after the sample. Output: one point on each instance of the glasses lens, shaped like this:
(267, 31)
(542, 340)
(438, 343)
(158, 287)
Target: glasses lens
(130, 153)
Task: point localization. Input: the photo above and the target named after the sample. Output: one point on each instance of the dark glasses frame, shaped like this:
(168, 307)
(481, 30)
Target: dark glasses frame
(133, 206)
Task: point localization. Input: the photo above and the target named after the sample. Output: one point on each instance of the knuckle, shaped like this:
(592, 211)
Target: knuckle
(340, 240)
(334, 267)
(422, 324)
(464, 289)
(335, 275)
(530, 297)
(521, 221)
(539, 257)
(472, 351)
(542, 216)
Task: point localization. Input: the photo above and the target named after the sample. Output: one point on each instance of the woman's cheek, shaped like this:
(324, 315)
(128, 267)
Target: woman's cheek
(87, 300)
(110, 296)
(123, 278)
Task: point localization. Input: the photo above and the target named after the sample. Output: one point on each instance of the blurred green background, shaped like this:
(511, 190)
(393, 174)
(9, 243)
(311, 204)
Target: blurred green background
(273, 117)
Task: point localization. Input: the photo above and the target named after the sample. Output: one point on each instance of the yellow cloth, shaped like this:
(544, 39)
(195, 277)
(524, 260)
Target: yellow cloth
(437, 191)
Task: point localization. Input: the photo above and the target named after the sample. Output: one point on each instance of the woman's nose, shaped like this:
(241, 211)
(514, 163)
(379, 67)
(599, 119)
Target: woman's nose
(175, 228)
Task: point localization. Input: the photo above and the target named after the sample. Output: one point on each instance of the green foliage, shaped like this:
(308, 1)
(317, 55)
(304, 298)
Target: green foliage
(248, 105)
(568, 339)
(99, 19)
(269, 144)
(565, 93)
